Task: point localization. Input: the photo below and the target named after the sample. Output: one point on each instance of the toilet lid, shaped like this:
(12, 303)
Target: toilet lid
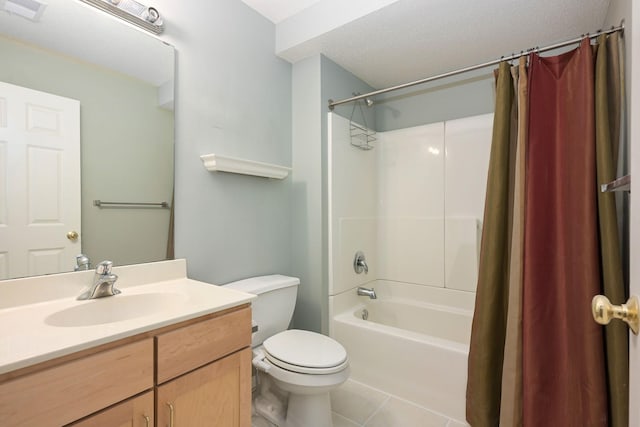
(305, 352)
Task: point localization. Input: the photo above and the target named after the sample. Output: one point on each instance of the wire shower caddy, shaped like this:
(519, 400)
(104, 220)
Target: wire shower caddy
(361, 136)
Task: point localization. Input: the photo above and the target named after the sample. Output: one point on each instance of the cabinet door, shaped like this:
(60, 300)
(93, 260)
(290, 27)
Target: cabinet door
(135, 412)
(218, 394)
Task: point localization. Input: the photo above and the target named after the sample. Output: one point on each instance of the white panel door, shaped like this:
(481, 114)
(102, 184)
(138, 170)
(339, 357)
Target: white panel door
(39, 182)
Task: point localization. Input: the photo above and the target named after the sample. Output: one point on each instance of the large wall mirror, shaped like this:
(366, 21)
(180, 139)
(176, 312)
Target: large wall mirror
(79, 73)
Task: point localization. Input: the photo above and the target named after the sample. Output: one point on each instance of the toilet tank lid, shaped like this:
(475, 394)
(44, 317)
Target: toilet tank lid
(261, 284)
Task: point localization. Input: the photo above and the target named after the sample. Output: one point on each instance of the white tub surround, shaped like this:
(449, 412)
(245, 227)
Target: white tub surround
(413, 204)
(43, 320)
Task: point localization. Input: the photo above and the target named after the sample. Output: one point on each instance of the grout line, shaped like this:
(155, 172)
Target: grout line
(424, 408)
(348, 419)
(377, 410)
(360, 383)
(393, 396)
(363, 385)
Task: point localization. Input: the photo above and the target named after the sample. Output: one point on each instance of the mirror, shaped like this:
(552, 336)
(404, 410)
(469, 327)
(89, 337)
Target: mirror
(123, 80)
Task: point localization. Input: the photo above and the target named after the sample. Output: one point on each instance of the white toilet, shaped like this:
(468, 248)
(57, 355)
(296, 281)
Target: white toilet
(304, 364)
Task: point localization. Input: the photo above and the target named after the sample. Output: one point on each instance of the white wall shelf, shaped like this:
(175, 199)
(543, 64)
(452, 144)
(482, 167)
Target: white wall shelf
(218, 163)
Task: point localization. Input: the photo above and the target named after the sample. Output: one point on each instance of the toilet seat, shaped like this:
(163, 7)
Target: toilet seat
(305, 352)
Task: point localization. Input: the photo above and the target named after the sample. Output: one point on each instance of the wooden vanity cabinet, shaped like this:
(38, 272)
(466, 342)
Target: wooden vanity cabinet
(202, 367)
(135, 412)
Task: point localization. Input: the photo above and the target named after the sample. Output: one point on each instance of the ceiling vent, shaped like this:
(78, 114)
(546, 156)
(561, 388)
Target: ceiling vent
(30, 9)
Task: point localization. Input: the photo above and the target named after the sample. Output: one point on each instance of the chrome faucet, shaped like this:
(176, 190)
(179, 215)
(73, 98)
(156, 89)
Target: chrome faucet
(82, 263)
(360, 263)
(103, 283)
(366, 292)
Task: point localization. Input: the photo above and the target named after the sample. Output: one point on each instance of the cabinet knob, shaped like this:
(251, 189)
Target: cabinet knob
(147, 421)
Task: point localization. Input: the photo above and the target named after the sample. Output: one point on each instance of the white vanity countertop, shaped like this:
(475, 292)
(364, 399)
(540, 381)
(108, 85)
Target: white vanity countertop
(35, 330)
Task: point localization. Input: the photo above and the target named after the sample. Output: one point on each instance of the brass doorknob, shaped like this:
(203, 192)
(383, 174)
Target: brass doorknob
(72, 235)
(603, 311)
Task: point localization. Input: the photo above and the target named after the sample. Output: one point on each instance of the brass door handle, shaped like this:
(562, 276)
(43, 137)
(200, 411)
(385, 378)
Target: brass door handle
(72, 235)
(603, 311)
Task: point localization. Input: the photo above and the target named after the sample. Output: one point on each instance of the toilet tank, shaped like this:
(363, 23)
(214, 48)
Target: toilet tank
(273, 309)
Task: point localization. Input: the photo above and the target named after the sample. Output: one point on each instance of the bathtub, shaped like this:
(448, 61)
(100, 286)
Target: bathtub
(413, 343)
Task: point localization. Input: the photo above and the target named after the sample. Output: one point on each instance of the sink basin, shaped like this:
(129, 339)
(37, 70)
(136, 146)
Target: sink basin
(115, 309)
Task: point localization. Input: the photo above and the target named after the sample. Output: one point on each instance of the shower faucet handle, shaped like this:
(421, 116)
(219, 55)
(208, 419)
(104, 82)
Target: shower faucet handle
(360, 263)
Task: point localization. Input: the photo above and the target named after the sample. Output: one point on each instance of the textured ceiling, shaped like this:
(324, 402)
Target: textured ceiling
(279, 10)
(412, 39)
(401, 41)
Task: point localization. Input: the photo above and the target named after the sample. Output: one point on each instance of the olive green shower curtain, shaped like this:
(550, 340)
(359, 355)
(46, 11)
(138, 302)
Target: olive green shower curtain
(486, 349)
(550, 242)
(607, 100)
(511, 396)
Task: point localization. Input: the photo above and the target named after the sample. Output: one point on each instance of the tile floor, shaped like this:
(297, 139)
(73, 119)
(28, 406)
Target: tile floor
(357, 405)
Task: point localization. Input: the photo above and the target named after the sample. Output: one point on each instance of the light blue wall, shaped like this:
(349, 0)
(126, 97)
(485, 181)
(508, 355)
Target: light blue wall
(315, 80)
(337, 84)
(307, 254)
(446, 99)
(233, 97)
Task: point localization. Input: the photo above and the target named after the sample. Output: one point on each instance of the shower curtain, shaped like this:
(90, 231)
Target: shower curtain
(549, 245)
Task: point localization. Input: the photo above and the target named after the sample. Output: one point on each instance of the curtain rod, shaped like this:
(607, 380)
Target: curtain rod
(333, 103)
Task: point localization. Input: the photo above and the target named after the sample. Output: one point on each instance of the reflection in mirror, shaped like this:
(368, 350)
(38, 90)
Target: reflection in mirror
(121, 83)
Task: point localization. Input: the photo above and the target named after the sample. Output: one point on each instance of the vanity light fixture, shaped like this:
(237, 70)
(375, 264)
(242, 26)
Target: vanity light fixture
(131, 11)
(30, 9)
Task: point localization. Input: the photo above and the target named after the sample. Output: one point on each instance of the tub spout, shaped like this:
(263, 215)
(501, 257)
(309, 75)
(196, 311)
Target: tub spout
(371, 293)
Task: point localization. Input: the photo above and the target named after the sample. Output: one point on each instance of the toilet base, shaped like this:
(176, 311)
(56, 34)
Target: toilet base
(268, 401)
(309, 410)
(308, 403)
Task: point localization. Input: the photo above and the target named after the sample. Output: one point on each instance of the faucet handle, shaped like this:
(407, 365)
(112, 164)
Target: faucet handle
(104, 267)
(82, 262)
(360, 263)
